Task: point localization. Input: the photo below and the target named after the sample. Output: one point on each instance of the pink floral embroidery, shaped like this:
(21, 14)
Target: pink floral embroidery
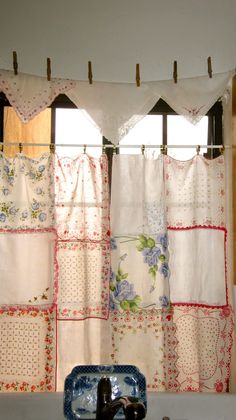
(219, 386)
(194, 112)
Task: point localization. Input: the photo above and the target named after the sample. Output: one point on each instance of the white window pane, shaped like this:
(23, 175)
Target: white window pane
(147, 131)
(74, 126)
(182, 132)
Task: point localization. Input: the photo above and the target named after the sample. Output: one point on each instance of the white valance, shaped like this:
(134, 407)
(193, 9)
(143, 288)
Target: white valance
(114, 107)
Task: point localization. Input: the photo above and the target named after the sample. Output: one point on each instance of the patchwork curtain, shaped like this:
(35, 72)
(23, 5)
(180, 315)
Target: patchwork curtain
(169, 292)
(153, 292)
(54, 250)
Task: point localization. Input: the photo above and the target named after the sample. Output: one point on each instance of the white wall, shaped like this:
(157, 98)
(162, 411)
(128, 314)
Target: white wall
(117, 34)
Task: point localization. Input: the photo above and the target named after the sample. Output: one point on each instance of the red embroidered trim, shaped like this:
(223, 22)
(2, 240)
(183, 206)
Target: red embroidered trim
(198, 227)
(56, 339)
(229, 350)
(43, 230)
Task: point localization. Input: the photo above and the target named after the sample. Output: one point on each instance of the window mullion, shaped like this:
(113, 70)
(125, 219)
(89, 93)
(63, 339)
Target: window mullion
(53, 125)
(109, 153)
(1, 122)
(164, 129)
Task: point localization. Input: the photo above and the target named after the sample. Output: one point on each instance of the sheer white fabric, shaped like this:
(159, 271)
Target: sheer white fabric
(192, 98)
(24, 282)
(195, 192)
(115, 108)
(197, 266)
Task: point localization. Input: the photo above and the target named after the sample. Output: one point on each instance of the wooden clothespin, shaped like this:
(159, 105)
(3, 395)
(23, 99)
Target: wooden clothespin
(175, 72)
(90, 73)
(49, 72)
(52, 148)
(20, 147)
(163, 149)
(15, 63)
(198, 148)
(137, 75)
(209, 67)
(143, 149)
(222, 149)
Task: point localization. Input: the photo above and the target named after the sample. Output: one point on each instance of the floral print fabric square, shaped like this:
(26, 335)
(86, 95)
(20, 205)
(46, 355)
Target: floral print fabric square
(140, 273)
(140, 270)
(26, 193)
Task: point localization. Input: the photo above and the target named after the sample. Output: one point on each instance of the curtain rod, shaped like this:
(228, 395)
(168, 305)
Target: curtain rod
(117, 146)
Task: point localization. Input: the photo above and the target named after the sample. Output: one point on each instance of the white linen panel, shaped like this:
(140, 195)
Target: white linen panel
(197, 266)
(27, 268)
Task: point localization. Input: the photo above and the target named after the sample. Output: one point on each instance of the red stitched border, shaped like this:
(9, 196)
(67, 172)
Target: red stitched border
(56, 350)
(32, 311)
(230, 316)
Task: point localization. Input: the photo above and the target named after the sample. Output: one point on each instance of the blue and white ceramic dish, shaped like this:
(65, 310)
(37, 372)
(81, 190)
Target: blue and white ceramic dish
(80, 390)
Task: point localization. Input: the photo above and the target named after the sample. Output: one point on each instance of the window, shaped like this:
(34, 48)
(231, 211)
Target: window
(74, 127)
(13, 130)
(63, 123)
